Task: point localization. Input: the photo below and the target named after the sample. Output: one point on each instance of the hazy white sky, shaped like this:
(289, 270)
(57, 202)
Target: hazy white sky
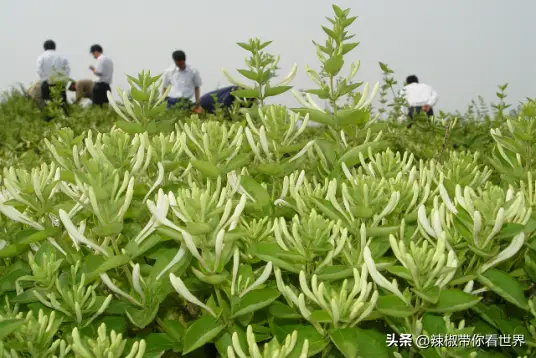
(467, 46)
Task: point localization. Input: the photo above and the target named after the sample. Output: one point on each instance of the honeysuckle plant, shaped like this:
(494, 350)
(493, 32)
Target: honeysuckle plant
(261, 238)
(331, 56)
(261, 70)
(145, 104)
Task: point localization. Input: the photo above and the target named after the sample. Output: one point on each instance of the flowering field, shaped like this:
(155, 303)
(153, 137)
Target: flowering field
(141, 232)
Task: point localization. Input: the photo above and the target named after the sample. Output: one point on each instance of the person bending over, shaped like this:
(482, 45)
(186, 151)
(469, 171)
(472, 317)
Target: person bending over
(419, 97)
(222, 98)
(83, 89)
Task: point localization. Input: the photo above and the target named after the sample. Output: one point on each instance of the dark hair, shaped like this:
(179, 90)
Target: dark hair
(178, 56)
(49, 45)
(95, 48)
(412, 79)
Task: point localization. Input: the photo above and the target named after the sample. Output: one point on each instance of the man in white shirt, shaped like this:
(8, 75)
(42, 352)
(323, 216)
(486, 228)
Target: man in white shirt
(53, 69)
(103, 71)
(419, 97)
(185, 83)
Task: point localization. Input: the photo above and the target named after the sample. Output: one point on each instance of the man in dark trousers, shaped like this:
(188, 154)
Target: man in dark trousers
(53, 70)
(103, 71)
(223, 98)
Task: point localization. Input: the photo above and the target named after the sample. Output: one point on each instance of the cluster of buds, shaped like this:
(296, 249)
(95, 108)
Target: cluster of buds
(273, 349)
(311, 236)
(77, 300)
(36, 337)
(44, 273)
(343, 308)
(308, 102)
(240, 286)
(211, 142)
(427, 267)
(442, 218)
(106, 345)
(145, 103)
(464, 168)
(42, 182)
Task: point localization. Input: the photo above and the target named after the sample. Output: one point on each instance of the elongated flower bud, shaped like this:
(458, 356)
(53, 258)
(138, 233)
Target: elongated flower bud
(73, 231)
(262, 279)
(510, 251)
(379, 278)
(234, 81)
(181, 289)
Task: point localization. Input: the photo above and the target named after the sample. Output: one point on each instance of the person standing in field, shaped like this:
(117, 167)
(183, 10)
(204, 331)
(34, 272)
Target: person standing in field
(53, 69)
(185, 83)
(103, 71)
(419, 97)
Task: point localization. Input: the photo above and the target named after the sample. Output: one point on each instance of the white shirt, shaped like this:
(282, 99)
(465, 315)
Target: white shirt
(183, 82)
(419, 94)
(104, 69)
(52, 66)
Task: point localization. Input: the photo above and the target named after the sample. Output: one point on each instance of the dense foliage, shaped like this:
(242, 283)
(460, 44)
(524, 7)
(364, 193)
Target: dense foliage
(139, 232)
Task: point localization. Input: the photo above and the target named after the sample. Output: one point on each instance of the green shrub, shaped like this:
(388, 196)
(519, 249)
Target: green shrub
(173, 236)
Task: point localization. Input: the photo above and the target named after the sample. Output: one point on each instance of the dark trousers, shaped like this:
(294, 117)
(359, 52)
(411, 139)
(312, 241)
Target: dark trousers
(46, 96)
(181, 103)
(100, 93)
(416, 110)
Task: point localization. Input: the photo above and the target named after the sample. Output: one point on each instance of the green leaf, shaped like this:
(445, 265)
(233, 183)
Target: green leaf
(256, 300)
(195, 228)
(321, 93)
(273, 169)
(356, 342)
(315, 115)
(95, 265)
(392, 305)
(245, 46)
(130, 127)
(13, 250)
(333, 65)
(283, 311)
(453, 300)
(158, 343)
(173, 329)
(206, 168)
(330, 33)
(250, 75)
(431, 295)
(268, 251)
(349, 47)
(142, 318)
(8, 326)
(138, 95)
(351, 157)
(110, 229)
(246, 93)
(274, 91)
(259, 194)
(335, 272)
(237, 162)
(345, 339)
(352, 117)
(505, 286)
(201, 332)
(30, 236)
